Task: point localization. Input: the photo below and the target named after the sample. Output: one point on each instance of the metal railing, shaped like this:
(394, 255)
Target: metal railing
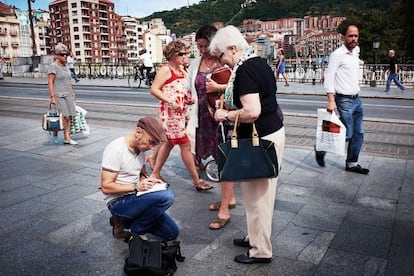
(370, 74)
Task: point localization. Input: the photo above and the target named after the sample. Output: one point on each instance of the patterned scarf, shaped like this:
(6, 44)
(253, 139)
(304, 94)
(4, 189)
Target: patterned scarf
(228, 94)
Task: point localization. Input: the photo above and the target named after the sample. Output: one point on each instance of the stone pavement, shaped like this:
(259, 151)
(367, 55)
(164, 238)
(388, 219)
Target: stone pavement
(326, 221)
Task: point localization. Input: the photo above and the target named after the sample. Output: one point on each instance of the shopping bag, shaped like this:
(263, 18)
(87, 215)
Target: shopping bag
(52, 120)
(78, 123)
(330, 133)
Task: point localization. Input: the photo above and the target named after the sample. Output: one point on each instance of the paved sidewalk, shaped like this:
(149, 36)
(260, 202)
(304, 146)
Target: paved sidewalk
(294, 88)
(327, 221)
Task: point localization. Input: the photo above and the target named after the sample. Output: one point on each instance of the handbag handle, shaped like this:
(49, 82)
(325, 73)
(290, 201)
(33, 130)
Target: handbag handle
(234, 141)
(55, 107)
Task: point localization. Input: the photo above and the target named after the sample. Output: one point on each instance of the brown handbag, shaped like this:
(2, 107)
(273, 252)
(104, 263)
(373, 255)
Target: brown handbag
(221, 76)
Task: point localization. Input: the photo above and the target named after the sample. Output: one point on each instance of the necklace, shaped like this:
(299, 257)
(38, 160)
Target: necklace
(209, 66)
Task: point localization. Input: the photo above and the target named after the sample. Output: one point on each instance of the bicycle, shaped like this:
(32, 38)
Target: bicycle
(139, 76)
(210, 169)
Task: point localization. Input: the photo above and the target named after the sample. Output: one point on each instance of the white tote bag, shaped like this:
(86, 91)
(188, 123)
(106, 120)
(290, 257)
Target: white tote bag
(330, 133)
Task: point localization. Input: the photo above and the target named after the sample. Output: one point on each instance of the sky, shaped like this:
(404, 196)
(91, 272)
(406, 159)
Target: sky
(138, 8)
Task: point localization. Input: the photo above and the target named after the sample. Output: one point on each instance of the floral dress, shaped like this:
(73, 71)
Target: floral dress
(173, 121)
(207, 133)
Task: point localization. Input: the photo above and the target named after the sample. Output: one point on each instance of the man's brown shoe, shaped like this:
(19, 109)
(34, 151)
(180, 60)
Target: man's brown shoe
(118, 228)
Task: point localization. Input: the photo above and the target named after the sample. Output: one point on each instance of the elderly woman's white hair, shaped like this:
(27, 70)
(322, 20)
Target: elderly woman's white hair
(226, 37)
(61, 48)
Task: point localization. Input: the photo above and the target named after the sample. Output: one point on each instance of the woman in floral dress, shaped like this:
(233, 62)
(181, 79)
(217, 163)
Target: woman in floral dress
(170, 87)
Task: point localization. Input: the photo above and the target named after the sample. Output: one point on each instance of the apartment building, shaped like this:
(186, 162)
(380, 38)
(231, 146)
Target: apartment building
(314, 36)
(9, 33)
(133, 37)
(87, 27)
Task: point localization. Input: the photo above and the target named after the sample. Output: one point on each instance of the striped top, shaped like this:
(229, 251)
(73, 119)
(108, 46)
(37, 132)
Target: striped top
(63, 79)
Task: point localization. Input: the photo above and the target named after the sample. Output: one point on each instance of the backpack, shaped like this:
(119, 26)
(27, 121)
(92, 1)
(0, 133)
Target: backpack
(152, 257)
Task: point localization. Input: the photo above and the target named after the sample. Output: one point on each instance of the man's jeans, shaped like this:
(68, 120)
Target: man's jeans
(351, 114)
(146, 213)
(393, 77)
(73, 73)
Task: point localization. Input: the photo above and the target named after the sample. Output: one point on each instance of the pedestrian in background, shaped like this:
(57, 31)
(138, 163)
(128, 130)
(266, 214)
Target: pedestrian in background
(280, 66)
(393, 72)
(170, 87)
(202, 127)
(70, 61)
(342, 87)
(61, 91)
(2, 62)
(145, 62)
(250, 93)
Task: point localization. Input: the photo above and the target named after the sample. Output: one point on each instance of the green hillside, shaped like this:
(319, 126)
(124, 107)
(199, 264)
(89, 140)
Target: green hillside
(391, 21)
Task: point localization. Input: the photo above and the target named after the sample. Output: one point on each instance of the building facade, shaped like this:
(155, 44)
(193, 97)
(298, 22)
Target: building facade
(87, 27)
(9, 33)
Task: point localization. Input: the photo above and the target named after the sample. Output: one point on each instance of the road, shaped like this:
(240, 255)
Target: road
(388, 109)
(386, 127)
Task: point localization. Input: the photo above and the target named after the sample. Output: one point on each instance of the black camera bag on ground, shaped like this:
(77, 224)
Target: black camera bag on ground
(152, 257)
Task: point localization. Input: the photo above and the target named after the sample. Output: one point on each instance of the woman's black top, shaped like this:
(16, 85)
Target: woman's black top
(256, 76)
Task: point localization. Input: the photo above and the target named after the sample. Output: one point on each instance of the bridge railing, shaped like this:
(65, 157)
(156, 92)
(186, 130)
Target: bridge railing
(370, 74)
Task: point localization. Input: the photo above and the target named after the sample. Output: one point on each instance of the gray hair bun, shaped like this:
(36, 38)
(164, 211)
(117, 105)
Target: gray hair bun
(60, 48)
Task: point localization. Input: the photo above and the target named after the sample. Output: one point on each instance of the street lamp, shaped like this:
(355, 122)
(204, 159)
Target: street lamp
(375, 46)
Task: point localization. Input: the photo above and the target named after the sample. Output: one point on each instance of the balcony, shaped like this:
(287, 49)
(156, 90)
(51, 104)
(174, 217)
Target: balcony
(14, 33)
(4, 44)
(3, 32)
(15, 44)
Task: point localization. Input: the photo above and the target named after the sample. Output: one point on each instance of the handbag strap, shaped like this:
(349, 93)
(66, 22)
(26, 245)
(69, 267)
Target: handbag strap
(255, 135)
(54, 107)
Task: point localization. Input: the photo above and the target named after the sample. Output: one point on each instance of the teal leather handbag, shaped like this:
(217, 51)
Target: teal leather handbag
(244, 159)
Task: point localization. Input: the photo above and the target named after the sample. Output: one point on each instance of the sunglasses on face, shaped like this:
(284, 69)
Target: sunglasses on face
(182, 54)
(63, 54)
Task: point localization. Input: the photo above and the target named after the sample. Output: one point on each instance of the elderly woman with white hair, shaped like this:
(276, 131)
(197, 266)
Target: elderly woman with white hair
(61, 91)
(251, 93)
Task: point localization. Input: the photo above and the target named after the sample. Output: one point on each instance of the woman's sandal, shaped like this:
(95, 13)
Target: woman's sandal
(202, 186)
(221, 222)
(216, 206)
